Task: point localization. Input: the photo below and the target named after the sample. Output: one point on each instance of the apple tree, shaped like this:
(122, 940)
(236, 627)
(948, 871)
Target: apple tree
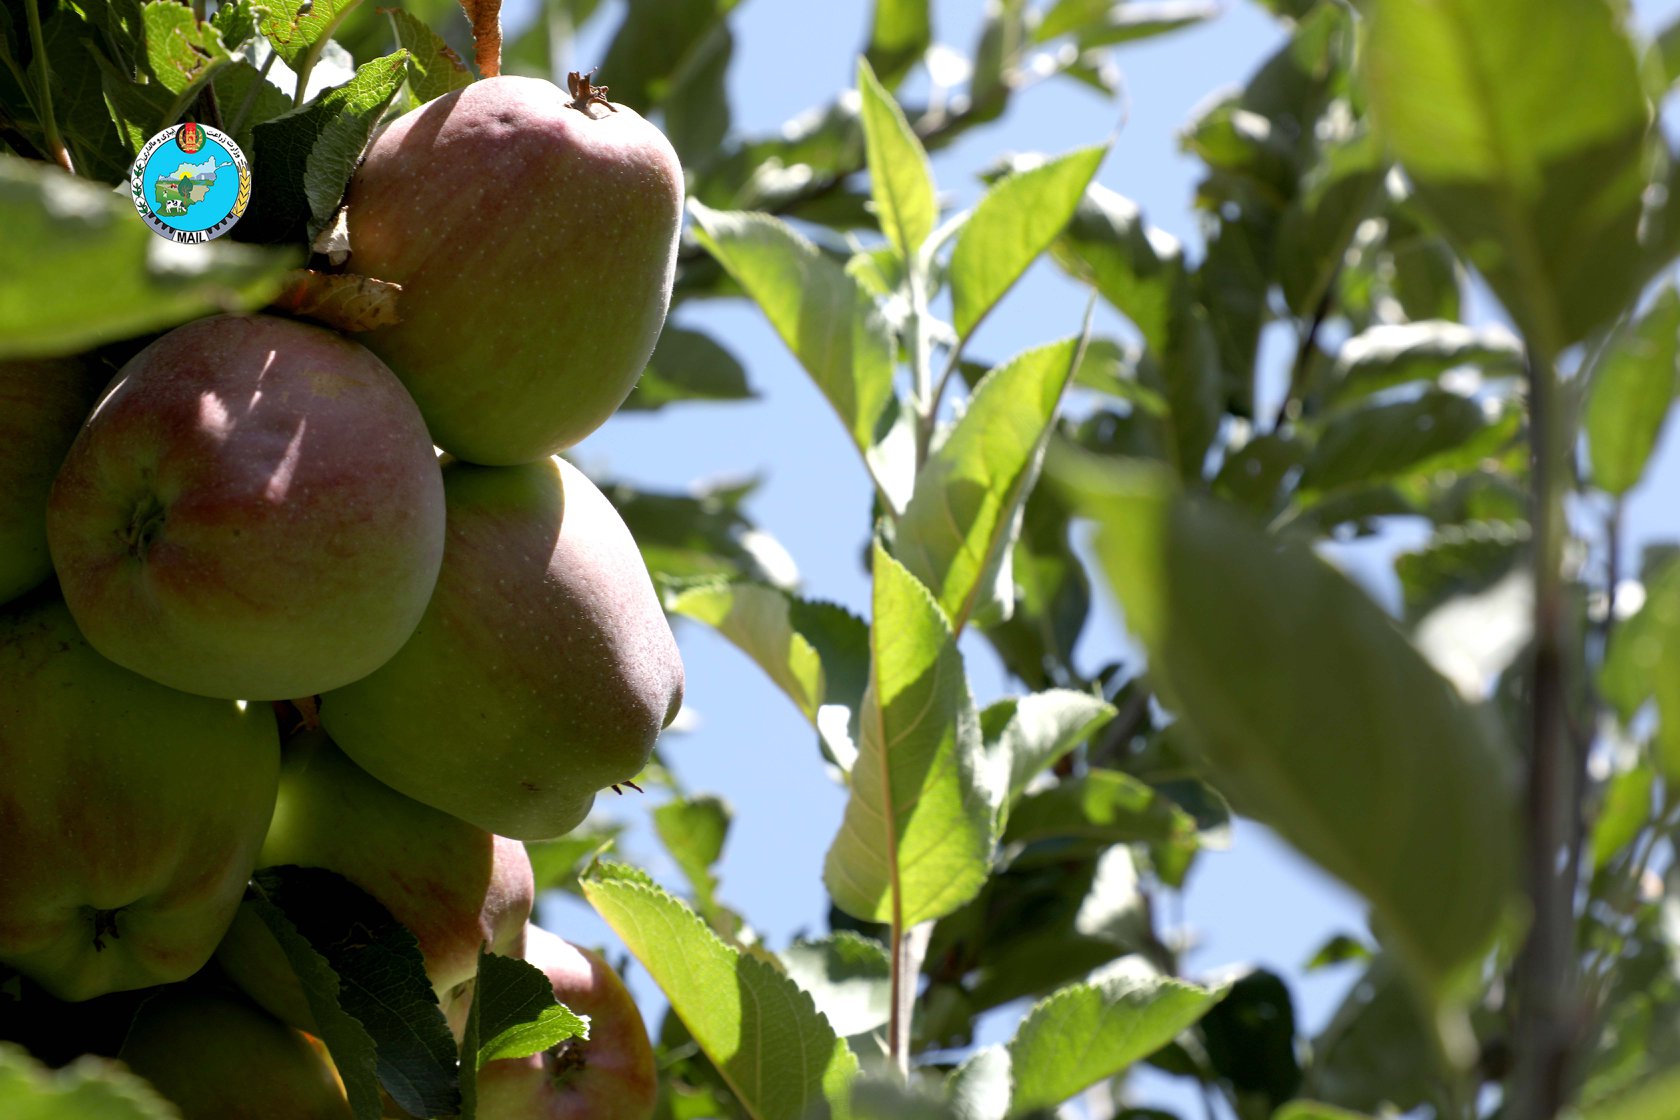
(276, 801)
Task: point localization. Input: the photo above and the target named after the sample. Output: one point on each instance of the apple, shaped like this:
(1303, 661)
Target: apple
(609, 1076)
(453, 885)
(253, 510)
(542, 672)
(130, 814)
(42, 404)
(535, 238)
(215, 1057)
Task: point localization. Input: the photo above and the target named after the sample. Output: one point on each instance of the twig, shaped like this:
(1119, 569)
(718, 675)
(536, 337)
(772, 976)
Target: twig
(1303, 356)
(1545, 1027)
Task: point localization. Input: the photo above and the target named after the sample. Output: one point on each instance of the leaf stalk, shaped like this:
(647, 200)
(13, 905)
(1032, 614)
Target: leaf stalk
(37, 41)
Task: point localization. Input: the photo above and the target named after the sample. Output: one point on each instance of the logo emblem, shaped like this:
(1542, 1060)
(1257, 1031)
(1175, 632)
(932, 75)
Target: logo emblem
(190, 183)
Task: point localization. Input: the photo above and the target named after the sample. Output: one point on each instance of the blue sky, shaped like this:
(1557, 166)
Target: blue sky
(1256, 903)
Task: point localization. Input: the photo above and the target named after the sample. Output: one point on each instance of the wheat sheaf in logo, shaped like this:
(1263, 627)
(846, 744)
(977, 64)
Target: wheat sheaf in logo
(190, 183)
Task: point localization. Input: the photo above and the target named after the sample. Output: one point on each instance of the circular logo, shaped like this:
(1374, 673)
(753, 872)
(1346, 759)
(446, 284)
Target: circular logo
(190, 183)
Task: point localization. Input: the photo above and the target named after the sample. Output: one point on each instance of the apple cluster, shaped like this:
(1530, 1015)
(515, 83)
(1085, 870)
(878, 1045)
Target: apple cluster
(277, 596)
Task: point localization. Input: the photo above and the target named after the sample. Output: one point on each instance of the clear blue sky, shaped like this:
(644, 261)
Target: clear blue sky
(1254, 904)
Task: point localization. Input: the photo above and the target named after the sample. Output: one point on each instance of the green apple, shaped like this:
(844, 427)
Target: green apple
(42, 404)
(253, 510)
(609, 1076)
(453, 885)
(535, 242)
(542, 671)
(130, 814)
(215, 1057)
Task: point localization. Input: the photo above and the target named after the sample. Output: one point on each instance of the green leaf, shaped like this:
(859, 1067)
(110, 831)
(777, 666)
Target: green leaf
(1652, 1100)
(304, 158)
(354, 1053)
(1376, 1054)
(1095, 23)
(1459, 560)
(1395, 354)
(916, 840)
(899, 176)
(697, 109)
(1102, 805)
(173, 56)
(829, 323)
(77, 268)
(556, 864)
(1626, 810)
(702, 533)
(236, 22)
(1633, 388)
(899, 34)
(997, 58)
(434, 68)
(1390, 751)
(1644, 660)
(1250, 1038)
(766, 1037)
(849, 977)
(978, 1089)
(87, 1089)
(1027, 735)
(1052, 595)
(656, 44)
(246, 96)
(350, 113)
(516, 1012)
(1335, 195)
(381, 983)
(1382, 441)
(1315, 1110)
(1337, 949)
(300, 29)
(1539, 190)
(1014, 221)
(1088, 1032)
(815, 652)
(693, 830)
(78, 96)
(688, 366)
(965, 513)
(1134, 266)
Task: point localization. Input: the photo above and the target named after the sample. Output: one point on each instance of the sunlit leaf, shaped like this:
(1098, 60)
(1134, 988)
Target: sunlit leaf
(1027, 735)
(1015, 221)
(965, 512)
(916, 839)
(516, 1012)
(775, 1049)
(1088, 1032)
(899, 175)
(847, 975)
(827, 321)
